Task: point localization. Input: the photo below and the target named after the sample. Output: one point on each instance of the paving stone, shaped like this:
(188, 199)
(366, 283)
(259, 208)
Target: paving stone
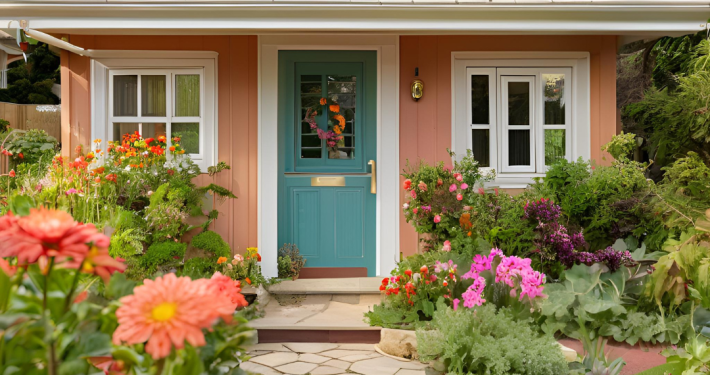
(269, 347)
(357, 346)
(308, 347)
(384, 366)
(338, 363)
(326, 370)
(276, 359)
(312, 358)
(297, 368)
(258, 369)
(343, 353)
(411, 372)
(359, 357)
(256, 353)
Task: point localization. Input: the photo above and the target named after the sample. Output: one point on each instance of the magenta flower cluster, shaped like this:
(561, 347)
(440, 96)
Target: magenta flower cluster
(515, 272)
(568, 248)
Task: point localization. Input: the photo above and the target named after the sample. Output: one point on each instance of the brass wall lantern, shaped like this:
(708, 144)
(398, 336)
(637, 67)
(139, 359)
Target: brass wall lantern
(417, 87)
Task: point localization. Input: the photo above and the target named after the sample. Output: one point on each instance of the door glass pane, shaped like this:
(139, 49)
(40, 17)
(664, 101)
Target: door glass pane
(554, 145)
(187, 135)
(187, 95)
(153, 96)
(519, 103)
(481, 146)
(554, 99)
(125, 95)
(151, 130)
(519, 147)
(121, 129)
(342, 91)
(480, 100)
(311, 91)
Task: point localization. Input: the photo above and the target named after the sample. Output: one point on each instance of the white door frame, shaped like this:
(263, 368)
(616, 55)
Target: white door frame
(387, 226)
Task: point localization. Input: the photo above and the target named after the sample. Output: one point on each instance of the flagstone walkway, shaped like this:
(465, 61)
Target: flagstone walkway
(326, 359)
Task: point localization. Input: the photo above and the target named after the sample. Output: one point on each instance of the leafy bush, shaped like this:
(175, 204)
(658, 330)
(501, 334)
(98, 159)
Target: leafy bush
(30, 147)
(290, 261)
(601, 302)
(621, 146)
(4, 126)
(483, 341)
(162, 254)
(199, 267)
(211, 242)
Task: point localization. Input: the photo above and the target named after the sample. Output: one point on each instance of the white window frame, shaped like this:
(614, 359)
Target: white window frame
(578, 134)
(170, 63)
(505, 127)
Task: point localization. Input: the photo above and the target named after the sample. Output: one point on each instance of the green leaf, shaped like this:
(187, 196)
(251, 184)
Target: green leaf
(119, 286)
(583, 279)
(428, 307)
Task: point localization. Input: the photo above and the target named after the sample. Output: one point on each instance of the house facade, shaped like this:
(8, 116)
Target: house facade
(254, 84)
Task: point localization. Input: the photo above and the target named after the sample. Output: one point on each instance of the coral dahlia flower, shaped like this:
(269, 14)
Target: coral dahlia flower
(166, 312)
(98, 262)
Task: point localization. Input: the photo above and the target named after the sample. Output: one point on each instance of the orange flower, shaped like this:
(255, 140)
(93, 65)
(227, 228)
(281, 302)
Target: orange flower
(247, 280)
(341, 120)
(323, 101)
(98, 262)
(337, 130)
(334, 108)
(172, 148)
(465, 221)
(221, 260)
(166, 312)
(12, 173)
(230, 291)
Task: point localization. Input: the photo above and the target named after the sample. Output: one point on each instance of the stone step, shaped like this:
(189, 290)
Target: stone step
(317, 317)
(353, 285)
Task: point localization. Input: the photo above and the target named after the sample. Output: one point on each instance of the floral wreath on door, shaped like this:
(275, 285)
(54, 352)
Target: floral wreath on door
(336, 125)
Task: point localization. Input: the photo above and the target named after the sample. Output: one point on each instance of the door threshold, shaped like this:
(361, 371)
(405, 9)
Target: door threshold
(332, 272)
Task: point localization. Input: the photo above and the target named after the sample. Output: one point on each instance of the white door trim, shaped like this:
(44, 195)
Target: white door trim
(387, 47)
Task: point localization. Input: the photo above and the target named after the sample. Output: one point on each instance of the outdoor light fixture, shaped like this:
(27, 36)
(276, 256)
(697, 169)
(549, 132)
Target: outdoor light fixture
(417, 87)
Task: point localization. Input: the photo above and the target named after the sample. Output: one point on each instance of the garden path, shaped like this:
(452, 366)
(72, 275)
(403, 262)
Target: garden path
(326, 359)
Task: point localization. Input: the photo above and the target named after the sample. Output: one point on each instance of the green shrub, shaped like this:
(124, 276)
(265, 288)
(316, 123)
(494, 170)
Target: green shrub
(199, 267)
(212, 242)
(621, 146)
(481, 341)
(31, 147)
(162, 254)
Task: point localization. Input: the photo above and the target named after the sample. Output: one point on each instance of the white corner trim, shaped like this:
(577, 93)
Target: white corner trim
(140, 54)
(579, 62)
(387, 227)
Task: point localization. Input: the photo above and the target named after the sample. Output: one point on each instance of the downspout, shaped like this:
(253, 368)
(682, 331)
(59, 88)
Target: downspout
(52, 41)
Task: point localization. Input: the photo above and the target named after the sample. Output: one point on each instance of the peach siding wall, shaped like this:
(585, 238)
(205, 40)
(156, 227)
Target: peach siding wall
(237, 116)
(425, 126)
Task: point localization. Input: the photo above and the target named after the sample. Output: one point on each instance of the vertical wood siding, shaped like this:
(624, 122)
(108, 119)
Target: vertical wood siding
(425, 126)
(237, 116)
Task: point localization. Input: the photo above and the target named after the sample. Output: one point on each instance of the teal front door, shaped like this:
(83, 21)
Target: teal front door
(328, 147)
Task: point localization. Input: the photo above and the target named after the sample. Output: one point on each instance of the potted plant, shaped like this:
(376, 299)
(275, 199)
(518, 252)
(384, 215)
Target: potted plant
(290, 262)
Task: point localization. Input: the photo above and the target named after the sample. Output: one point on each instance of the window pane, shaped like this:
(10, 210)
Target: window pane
(519, 147)
(481, 146)
(125, 95)
(554, 145)
(153, 96)
(554, 99)
(519, 103)
(342, 89)
(187, 95)
(189, 134)
(153, 130)
(311, 92)
(121, 129)
(480, 100)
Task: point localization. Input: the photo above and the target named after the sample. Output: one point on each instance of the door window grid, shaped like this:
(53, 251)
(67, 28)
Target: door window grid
(342, 89)
(146, 100)
(548, 137)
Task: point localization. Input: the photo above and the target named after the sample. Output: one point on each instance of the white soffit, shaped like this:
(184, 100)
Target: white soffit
(618, 17)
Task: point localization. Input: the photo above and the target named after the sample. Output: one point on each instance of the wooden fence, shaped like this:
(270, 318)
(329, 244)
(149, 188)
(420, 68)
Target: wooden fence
(31, 116)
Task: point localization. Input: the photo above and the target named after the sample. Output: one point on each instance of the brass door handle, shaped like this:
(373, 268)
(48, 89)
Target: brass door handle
(373, 179)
